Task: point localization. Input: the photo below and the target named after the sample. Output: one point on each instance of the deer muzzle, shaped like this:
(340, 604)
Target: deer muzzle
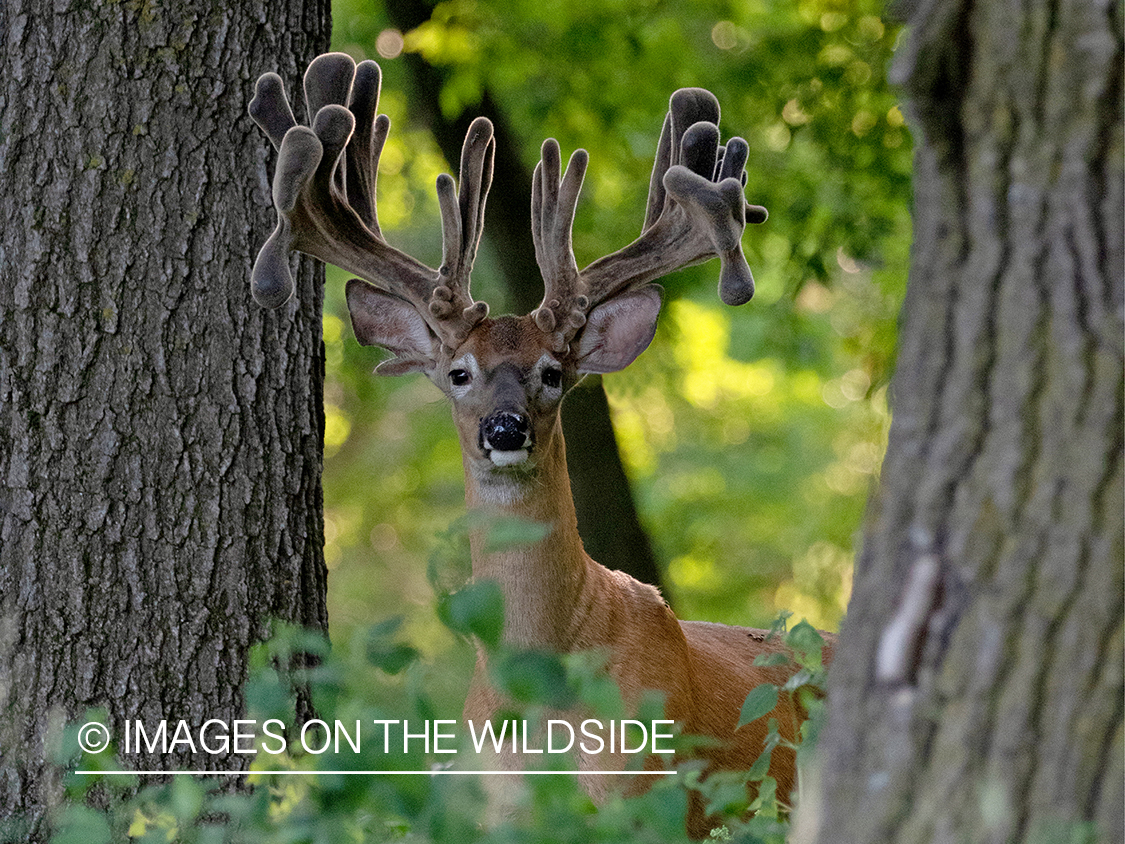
(505, 437)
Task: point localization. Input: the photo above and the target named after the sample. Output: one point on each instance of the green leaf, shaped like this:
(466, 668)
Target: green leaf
(533, 677)
(780, 623)
(766, 801)
(810, 730)
(761, 701)
(797, 680)
(807, 642)
(476, 610)
(587, 676)
(82, 825)
(383, 652)
(772, 660)
(510, 532)
(761, 766)
(773, 735)
(393, 659)
(267, 696)
(186, 799)
(450, 566)
(387, 627)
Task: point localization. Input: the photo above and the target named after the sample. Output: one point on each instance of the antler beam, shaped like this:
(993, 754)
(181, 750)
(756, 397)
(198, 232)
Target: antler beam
(695, 211)
(324, 191)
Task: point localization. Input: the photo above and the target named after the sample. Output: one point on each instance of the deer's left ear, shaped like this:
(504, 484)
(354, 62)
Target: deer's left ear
(380, 319)
(618, 330)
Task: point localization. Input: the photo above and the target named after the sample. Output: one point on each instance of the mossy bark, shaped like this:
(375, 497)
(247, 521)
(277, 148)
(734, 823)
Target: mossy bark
(977, 691)
(160, 435)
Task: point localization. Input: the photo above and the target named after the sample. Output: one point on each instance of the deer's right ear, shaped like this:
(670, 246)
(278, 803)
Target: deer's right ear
(618, 330)
(380, 319)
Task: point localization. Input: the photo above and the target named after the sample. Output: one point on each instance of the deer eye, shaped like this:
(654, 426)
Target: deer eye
(552, 377)
(459, 377)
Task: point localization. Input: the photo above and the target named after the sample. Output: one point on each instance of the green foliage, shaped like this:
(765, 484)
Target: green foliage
(751, 436)
(478, 610)
(533, 677)
(383, 651)
(804, 82)
(725, 791)
(308, 796)
(399, 782)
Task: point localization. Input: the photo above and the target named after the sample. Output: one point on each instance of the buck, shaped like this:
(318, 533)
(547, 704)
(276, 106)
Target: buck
(506, 377)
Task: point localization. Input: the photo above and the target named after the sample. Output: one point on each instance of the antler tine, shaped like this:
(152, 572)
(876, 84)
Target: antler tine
(366, 147)
(324, 194)
(328, 81)
(553, 204)
(687, 107)
(270, 108)
(462, 216)
(695, 209)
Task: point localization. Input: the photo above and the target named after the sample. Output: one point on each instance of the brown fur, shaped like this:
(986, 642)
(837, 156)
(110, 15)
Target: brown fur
(559, 599)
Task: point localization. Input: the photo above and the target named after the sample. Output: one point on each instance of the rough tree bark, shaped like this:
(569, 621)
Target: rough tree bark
(977, 691)
(160, 434)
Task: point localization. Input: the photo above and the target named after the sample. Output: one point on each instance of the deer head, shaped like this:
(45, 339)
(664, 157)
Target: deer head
(506, 376)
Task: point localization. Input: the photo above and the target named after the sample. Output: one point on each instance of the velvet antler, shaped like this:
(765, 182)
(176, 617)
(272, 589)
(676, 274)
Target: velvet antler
(324, 193)
(324, 190)
(695, 211)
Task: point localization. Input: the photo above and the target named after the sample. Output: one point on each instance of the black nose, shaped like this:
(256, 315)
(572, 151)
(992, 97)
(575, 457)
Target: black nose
(504, 431)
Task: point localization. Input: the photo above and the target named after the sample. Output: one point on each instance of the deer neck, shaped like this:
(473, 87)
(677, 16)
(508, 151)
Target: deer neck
(542, 582)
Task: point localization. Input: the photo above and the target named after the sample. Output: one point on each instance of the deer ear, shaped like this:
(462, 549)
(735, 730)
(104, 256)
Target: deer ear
(618, 330)
(380, 319)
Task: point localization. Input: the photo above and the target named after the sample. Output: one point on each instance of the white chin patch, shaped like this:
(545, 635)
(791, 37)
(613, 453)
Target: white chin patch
(507, 458)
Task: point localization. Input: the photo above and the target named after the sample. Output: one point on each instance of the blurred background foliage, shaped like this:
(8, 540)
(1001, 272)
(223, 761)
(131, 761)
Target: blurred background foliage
(752, 435)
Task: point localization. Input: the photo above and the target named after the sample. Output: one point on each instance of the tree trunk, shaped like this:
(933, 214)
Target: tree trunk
(977, 692)
(160, 434)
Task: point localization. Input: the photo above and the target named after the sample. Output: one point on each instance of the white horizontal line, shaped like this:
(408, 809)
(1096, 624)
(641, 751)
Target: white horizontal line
(442, 772)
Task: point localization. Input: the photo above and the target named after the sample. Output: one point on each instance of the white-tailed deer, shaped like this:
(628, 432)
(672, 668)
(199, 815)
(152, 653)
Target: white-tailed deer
(507, 376)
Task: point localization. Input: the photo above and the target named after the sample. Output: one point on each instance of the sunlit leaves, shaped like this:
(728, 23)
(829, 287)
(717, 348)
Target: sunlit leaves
(303, 791)
(752, 471)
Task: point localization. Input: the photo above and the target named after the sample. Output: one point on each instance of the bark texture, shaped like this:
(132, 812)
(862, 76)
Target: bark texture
(977, 692)
(160, 435)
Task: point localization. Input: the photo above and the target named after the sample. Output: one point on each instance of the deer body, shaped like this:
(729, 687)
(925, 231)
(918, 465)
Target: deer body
(506, 377)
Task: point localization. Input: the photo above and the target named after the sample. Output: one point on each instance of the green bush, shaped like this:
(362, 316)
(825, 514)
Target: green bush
(377, 677)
